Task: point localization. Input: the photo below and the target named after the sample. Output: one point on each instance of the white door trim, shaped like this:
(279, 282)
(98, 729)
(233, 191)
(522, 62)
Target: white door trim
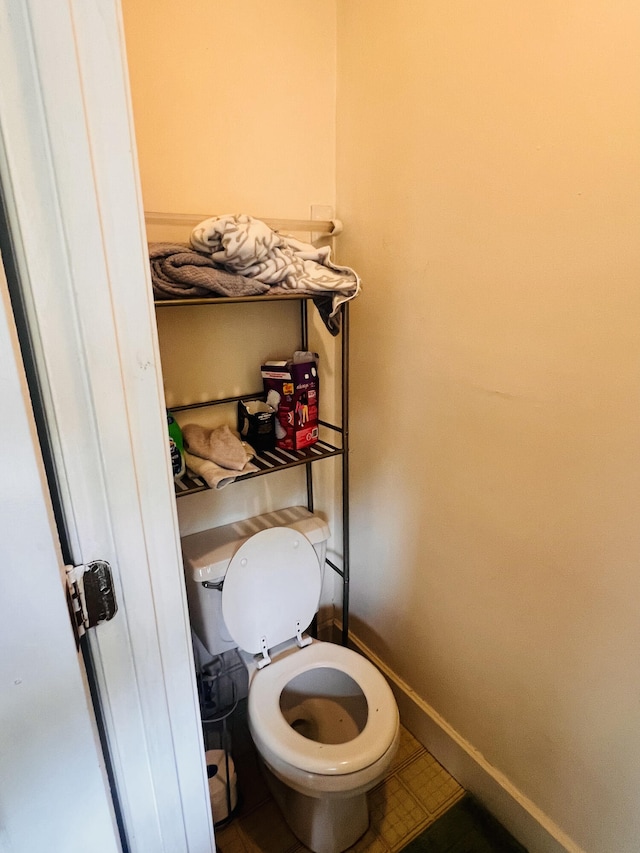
(68, 171)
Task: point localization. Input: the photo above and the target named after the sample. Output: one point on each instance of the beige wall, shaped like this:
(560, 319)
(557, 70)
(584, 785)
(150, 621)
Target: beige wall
(489, 173)
(234, 108)
(234, 104)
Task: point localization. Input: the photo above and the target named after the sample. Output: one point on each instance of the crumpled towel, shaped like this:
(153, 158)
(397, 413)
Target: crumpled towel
(219, 445)
(214, 476)
(248, 246)
(177, 271)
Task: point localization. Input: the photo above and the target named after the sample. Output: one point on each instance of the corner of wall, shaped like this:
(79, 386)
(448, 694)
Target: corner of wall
(524, 820)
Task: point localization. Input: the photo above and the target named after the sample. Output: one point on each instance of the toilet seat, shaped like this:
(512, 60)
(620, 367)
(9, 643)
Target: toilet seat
(274, 736)
(270, 595)
(271, 589)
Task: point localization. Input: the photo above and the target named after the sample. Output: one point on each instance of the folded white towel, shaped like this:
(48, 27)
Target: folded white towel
(214, 475)
(219, 445)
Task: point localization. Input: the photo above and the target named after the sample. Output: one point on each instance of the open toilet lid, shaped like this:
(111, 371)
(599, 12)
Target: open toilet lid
(273, 582)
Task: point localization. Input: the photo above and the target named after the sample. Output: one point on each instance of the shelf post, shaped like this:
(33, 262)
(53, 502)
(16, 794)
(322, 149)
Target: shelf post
(304, 346)
(345, 474)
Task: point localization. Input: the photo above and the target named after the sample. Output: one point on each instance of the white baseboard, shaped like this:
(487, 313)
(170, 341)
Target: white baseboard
(524, 820)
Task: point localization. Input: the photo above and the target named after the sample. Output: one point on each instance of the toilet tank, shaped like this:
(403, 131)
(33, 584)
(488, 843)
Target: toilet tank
(206, 557)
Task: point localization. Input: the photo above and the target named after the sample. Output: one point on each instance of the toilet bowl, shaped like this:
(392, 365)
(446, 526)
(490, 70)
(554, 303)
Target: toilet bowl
(326, 727)
(323, 718)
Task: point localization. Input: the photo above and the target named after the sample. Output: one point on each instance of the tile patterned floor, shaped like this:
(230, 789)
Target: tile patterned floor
(416, 791)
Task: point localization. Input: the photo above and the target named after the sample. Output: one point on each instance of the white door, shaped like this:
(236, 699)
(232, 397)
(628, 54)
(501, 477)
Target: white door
(68, 176)
(54, 794)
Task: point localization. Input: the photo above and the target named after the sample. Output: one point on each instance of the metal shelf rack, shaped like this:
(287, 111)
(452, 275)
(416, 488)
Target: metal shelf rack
(278, 459)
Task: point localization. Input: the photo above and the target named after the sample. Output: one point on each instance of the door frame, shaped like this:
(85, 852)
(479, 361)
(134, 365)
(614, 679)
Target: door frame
(69, 177)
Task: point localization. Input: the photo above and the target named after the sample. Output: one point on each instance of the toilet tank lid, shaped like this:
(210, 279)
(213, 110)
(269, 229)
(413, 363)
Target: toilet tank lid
(207, 554)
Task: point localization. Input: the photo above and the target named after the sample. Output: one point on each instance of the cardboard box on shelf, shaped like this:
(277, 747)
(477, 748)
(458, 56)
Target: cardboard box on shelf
(293, 389)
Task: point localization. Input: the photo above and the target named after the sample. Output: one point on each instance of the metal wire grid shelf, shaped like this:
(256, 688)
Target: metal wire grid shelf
(267, 462)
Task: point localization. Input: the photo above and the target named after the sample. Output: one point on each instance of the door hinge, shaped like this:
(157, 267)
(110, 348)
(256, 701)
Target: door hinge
(91, 596)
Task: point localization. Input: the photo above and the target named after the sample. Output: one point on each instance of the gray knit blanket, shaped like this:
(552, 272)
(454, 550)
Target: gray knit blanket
(178, 271)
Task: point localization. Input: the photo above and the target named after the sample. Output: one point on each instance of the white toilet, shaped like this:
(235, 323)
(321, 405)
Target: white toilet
(322, 717)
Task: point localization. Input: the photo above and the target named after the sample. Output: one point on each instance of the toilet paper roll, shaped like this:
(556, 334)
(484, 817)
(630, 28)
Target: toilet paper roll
(217, 773)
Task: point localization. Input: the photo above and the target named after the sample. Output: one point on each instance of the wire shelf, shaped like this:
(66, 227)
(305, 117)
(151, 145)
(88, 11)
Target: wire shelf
(267, 462)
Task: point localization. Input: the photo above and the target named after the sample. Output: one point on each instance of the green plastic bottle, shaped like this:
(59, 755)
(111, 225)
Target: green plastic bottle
(176, 446)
